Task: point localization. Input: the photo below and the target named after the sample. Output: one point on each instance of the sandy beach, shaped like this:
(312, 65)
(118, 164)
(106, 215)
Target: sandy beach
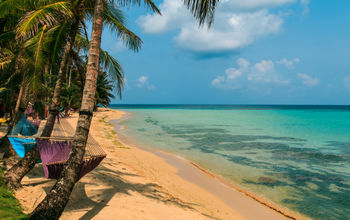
(141, 183)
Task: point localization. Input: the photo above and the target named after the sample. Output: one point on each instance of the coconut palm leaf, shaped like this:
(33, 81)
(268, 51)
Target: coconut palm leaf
(46, 15)
(114, 19)
(114, 70)
(148, 3)
(8, 7)
(34, 49)
(203, 10)
(6, 57)
(55, 40)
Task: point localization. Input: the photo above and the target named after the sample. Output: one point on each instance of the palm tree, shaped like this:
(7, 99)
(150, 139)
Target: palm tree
(26, 28)
(55, 201)
(113, 18)
(16, 49)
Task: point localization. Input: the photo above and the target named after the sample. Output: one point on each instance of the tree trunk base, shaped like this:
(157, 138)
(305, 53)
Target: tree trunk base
(9, 152)
(14, 176)
(12, 181)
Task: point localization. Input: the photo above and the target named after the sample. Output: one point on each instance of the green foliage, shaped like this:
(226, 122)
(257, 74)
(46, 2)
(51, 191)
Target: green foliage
(9, 205)
(104, 90)
(47, 15)
(33, 34)
(71, 97)
(114, 70)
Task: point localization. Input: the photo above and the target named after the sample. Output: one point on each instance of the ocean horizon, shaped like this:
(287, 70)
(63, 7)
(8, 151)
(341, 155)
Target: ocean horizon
(297, 156)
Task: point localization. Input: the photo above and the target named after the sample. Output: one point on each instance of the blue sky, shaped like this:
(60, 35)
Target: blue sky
(256, 52)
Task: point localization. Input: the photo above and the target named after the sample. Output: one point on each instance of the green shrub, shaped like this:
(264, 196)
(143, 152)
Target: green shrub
(9, 205)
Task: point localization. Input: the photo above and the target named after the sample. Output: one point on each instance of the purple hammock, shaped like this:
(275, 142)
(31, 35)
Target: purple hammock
(55, 153)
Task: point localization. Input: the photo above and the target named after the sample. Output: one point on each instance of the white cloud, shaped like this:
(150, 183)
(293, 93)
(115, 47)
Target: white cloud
(143, 83)
(174, 14)
(289, 63)
(347, 81)
(142, 80)
(308, 80)
(265, 66)
(232, 29)
(229, 32)
(246, 74)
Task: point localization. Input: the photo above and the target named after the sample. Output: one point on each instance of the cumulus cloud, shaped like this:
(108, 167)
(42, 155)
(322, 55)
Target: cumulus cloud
(308, 80)
(174, 14)
(144, 83)
(230, 32)
(289, 63)
(245, 73)
(237, 24)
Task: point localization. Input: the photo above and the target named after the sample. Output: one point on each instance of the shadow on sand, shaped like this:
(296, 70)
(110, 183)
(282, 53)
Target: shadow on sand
(113, 183)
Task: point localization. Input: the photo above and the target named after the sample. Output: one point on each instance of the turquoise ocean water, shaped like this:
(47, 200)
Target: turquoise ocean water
(296, 156)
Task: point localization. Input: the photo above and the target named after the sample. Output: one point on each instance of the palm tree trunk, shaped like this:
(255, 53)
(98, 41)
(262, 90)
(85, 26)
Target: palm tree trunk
(81, 71)
(14, 176)
(10, 153)
(20, 94)
(55, 201)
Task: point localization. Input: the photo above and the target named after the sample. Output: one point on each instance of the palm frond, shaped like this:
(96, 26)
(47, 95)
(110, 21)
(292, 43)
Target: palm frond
(148, 3)
(203, 10)
(114, 19)
(5, 60)
(114, 70)
(46, 15)
(34, 47)
(82, 43)
(55, 40)
(8, 7)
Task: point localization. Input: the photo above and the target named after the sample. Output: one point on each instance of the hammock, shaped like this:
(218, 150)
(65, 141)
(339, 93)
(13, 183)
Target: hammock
(24, 128)
(22, 145)
(54, 152)
(21, 136)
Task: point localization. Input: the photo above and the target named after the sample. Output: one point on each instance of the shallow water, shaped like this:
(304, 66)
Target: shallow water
(298, 157)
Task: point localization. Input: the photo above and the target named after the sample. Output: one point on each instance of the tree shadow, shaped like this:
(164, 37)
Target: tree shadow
(115, 184)
(36, 172)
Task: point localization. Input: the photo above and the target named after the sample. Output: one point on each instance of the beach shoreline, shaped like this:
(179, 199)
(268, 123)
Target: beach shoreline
(143, 183)
(289, 214)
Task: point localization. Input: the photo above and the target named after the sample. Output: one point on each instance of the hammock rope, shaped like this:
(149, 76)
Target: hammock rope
(55, 150)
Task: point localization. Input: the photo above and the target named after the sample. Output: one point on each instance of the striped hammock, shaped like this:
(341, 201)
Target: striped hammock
(54, 153)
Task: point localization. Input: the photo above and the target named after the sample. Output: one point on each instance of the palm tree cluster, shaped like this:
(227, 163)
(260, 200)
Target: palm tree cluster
(48, 60)
(32, 42)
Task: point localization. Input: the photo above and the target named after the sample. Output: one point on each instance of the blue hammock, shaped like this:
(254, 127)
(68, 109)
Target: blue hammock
(22, 144)
(24, 128)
